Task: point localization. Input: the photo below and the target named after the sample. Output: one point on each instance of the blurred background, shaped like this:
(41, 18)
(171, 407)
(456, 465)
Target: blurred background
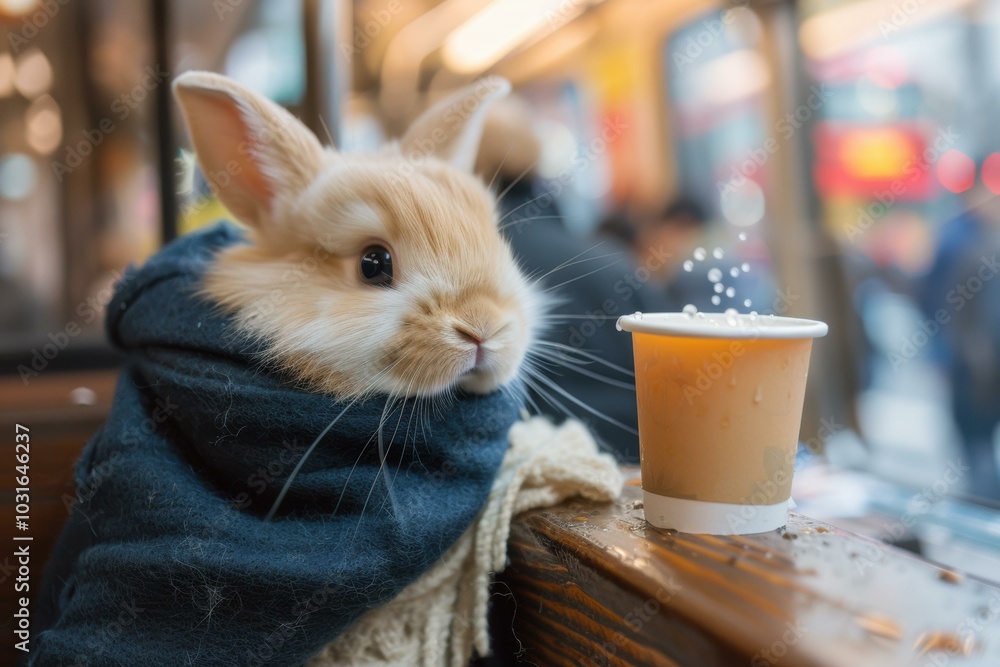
(834, 159)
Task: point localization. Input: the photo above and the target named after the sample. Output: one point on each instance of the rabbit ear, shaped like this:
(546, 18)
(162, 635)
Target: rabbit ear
(256, 155)
(451, 129)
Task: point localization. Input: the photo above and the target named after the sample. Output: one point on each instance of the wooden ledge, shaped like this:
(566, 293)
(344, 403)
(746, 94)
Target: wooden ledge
(596, 585)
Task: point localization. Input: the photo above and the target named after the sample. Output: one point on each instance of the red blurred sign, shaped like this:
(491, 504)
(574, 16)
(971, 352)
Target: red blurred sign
(855, 160)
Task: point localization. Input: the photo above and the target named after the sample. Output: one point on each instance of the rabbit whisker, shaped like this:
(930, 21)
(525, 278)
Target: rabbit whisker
(312, 447)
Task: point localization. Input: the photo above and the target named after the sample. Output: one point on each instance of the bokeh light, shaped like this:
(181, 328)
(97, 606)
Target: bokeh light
(16, 7)
(956, 171)
(43, 125)
(18, 176)
(496, 30)
(744, 26)
(33, 75)
(743, 205)
(875, 98)
(875, 153)
(733, 77)
(6, 75)
(886, 66)
(558, 148)
(991, 173)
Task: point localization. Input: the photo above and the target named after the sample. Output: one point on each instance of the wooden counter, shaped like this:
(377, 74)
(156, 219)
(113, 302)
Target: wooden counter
(596, 585)
(62, 411)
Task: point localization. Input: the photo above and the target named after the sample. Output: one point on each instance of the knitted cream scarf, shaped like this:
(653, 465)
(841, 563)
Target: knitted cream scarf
(439, 619)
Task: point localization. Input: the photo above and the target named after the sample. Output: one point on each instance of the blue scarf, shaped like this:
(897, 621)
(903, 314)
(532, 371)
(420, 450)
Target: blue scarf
(167, 557)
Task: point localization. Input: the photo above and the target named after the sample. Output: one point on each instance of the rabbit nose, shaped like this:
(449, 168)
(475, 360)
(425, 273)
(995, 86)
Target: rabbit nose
(465, 334)
(477, 339)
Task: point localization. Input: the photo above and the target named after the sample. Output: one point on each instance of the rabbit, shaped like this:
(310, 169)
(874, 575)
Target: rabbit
(365, 273)
(381, 276)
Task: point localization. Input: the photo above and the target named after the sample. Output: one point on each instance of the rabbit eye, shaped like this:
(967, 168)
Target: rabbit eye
(376, 266)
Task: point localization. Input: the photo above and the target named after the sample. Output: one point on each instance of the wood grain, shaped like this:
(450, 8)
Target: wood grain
(59, 427)
(596, 585)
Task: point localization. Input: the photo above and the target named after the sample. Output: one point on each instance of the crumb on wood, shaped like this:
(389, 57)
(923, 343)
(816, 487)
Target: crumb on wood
(879, 625)
(950, 576)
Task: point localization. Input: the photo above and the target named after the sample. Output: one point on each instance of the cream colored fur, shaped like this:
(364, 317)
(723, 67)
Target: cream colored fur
(312, 211)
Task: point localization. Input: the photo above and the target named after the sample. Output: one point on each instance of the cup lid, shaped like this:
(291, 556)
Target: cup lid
(722, 325)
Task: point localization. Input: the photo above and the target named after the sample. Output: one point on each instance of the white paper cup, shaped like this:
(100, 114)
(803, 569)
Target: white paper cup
(720, 404)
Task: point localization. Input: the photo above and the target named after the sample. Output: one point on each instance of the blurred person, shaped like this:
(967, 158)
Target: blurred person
(594, 280)
(883, 263)
(960, 297)
(620, 227)
(677, 230)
